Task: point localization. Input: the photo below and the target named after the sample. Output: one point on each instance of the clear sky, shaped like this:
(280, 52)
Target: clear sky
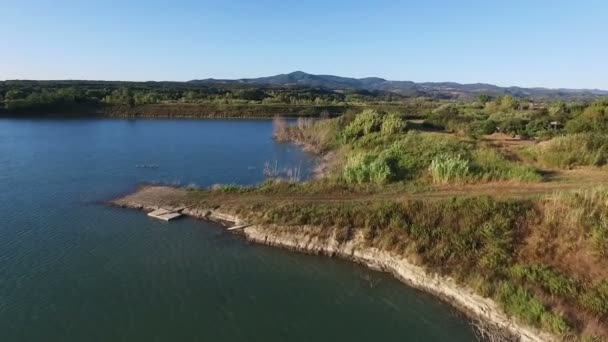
(550, 43)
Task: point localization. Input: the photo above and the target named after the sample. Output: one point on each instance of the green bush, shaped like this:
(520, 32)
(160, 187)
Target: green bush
(367, 169)
(551, 281)
(392, 124)
(482, 127)
(372, 121)
(521, 303)
(448, 168)
(593, 119)
(365, 123)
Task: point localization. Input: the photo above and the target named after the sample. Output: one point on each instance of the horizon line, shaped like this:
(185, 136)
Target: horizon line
(320, 74)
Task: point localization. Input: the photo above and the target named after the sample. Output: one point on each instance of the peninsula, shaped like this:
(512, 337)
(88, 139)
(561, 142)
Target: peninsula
(495, 206)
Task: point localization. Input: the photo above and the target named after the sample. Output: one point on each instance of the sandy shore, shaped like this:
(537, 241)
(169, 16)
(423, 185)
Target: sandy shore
(303, 239)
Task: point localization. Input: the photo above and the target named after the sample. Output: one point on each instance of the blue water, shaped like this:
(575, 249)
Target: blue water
(74, 269)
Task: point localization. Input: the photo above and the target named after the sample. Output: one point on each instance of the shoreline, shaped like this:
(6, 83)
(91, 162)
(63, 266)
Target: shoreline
(181, 111)
(299, 239)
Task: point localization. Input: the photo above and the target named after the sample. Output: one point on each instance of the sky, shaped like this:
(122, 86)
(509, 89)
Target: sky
(525, 43)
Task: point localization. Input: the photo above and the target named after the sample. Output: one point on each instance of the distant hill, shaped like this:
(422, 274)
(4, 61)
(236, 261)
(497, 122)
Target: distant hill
(408, 88)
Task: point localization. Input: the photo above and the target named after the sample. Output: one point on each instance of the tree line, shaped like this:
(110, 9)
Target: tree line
(19, 96)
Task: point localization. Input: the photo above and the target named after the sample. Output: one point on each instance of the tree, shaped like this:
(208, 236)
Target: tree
(508, 103)
(15, 94)
(484, 98)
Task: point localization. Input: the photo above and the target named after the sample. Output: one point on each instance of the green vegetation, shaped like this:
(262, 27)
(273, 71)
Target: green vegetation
(382, 149)
(447, 168)
(190, 99)
(417, 188)
(367, 169)
(485, 114)
(523, 304)
(491, 165)
(579, 149)
(543, 276)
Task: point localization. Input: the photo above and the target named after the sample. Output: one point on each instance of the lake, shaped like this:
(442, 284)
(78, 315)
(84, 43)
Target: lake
(75, 269)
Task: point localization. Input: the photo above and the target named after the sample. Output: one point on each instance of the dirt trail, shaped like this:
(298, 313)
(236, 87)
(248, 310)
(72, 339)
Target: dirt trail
(580, 179)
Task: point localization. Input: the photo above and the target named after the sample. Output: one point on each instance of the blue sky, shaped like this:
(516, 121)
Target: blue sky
(528, 43)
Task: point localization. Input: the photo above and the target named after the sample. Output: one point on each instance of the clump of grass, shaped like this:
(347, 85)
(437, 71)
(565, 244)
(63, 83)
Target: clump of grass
(599, 235)
(414, 151)
(595, 299)
(392, 124)
(579, 149)
(316, 135)
(273, 171)
(571, 216)
(372, 121)
(449, 168)
(543, 276)
(230, 188)
(489, 164)
(367, 122)
(521, 303)
(363, 169)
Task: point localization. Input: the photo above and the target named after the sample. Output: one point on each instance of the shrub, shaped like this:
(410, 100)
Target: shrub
(367, 169)
(448, 168)
(482, 127)
(521, 303)
(365, 123)
(551, 281)
(317, 135)
(392, 124)
(593, 119)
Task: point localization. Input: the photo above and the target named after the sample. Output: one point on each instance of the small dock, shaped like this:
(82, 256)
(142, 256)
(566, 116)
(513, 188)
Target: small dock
(164, 214)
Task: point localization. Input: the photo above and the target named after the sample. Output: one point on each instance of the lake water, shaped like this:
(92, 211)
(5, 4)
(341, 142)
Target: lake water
(74, 269)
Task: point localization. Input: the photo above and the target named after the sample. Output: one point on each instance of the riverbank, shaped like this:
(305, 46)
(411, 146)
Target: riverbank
(311, 239)
(214, 110)
(181, 110)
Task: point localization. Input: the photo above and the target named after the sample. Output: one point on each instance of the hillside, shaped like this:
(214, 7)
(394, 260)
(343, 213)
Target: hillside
(408, 88)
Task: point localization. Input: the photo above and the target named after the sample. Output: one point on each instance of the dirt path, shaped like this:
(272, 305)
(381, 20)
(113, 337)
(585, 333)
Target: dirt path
(580, 179)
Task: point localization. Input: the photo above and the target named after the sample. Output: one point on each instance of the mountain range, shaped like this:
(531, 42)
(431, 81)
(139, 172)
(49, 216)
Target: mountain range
(405, 88)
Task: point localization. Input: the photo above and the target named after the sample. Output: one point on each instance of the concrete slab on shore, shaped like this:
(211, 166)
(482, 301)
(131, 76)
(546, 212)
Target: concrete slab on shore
(164, 214)
(243, 226)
